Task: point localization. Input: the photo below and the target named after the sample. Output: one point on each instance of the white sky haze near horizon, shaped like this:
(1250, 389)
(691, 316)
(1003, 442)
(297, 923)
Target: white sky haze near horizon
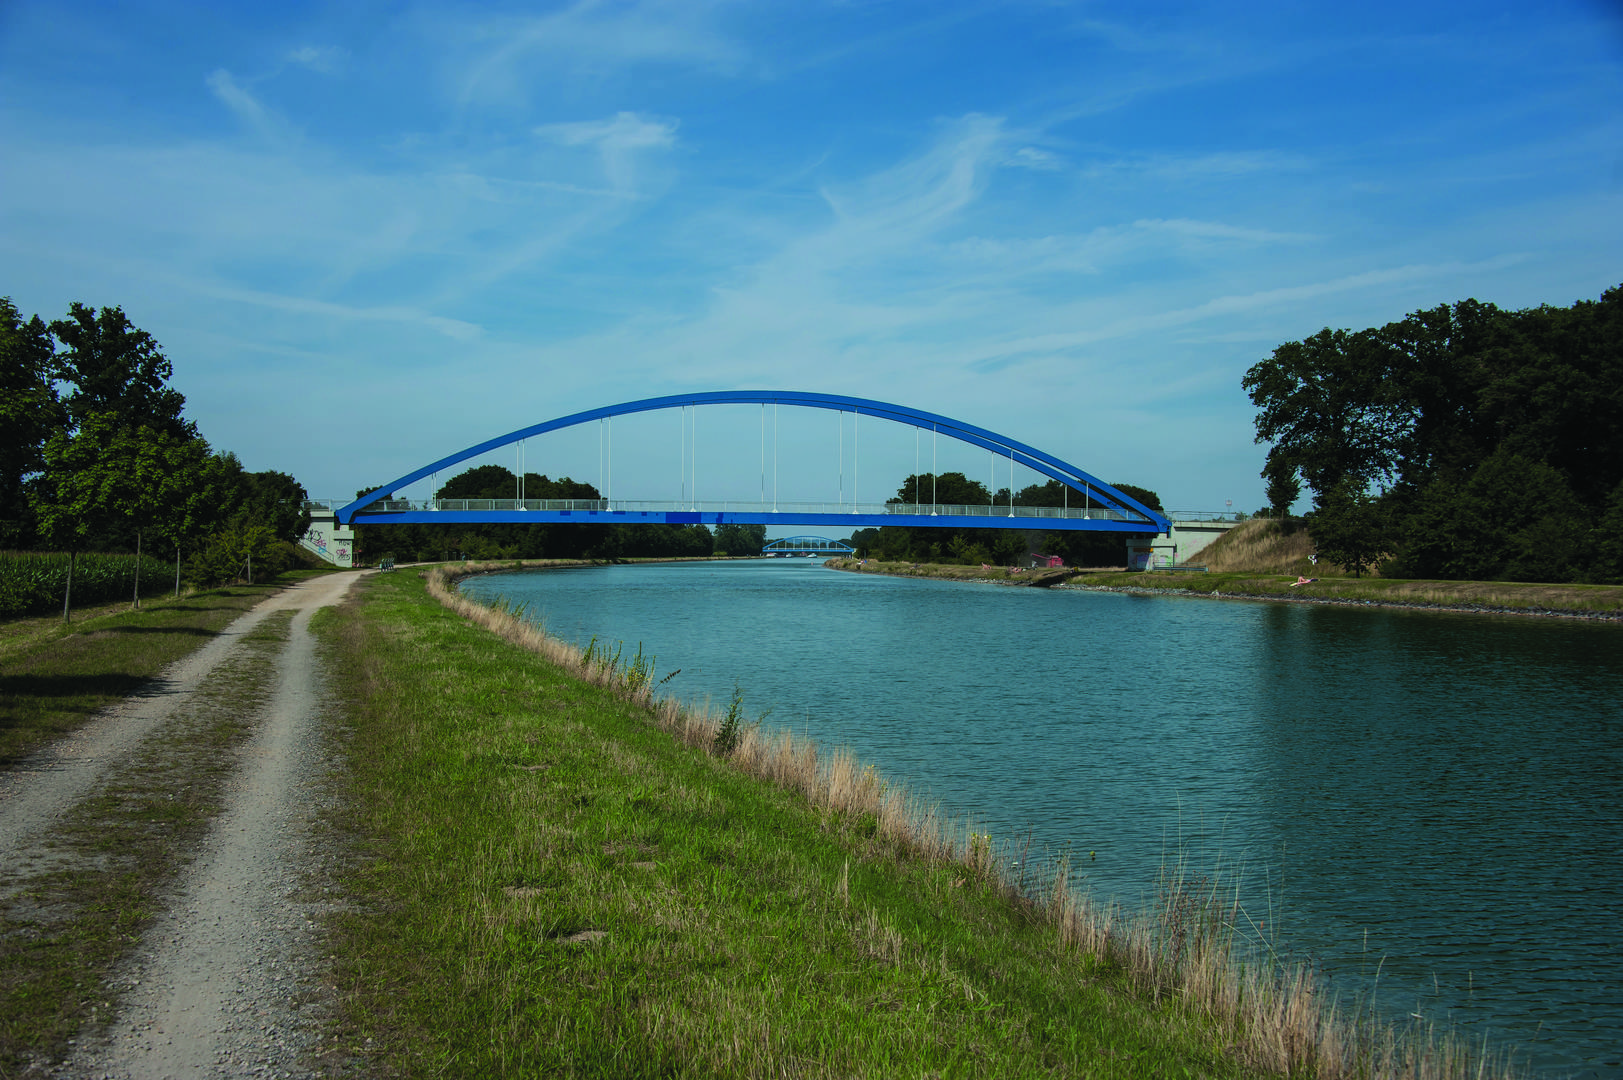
(370, 235)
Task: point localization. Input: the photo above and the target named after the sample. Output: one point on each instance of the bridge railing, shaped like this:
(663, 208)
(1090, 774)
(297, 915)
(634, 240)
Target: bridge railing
(787, 509)
(1073, 513)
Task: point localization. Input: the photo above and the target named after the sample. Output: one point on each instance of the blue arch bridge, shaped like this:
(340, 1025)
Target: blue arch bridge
(808, 545)
(1088, 502)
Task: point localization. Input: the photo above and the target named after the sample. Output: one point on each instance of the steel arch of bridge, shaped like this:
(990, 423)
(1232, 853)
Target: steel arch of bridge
(1121, 512)
(822, 545)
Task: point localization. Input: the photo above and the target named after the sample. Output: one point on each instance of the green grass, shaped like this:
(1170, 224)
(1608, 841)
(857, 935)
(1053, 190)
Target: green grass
(1507, 595)
(75, 904)
(54, 677)
(1332, 585)
(550, 885)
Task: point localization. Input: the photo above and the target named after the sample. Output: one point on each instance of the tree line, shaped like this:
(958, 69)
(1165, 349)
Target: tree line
(995, 547)
(602, 541)
(549, 540)
(1462, 442)
(96, 456)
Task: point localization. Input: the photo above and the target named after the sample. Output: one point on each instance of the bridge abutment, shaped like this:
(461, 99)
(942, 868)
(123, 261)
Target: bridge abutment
(1186, 539)
(329, 539)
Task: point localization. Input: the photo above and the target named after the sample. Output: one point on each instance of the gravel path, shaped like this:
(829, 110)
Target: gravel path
(222, 983)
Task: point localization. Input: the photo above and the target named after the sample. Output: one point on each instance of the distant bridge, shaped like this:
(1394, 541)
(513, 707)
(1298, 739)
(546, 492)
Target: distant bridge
(1088, 502)
(808, 545)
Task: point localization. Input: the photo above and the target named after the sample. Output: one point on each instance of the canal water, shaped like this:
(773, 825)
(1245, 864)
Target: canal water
(1426, 805)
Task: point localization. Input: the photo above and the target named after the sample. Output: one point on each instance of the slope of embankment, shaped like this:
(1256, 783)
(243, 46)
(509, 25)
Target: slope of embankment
(1266, 560)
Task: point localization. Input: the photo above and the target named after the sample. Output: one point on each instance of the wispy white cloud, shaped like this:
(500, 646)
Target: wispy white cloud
(244, 105)
(396, 314)
(324, 59)
(910, 200)
(620, 141)
(1165, 318)
(503, 57)
(1011, 258)
(1029, 157)
(1183, 168)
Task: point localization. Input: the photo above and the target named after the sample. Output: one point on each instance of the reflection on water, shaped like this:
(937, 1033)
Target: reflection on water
(1427, 796)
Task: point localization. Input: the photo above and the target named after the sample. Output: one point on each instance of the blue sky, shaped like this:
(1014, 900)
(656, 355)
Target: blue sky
(368, 235)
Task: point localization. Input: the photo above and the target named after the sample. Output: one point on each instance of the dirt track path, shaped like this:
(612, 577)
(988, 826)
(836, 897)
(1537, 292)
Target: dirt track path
(216, 985)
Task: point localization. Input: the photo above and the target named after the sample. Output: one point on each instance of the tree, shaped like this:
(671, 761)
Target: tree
(483, 482)
(1511, 520)
(232, 552)
(1494, 437)
(1347, 528)
(1283, 487)
(117, 369)
(740, 540)
(1143, 495)
(1331, 409)
(29, 412)
(948, 489)
(106, 478)
(1606, 541)
(273, 499)
(863, 541)
(649, 541)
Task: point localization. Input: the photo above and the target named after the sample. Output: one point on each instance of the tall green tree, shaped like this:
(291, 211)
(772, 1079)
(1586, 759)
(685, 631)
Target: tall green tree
(947, 489)
(1143, 495)
(114, 368)
(1283, 486)
(1511, 519)
(273, 499)
(29, 413)
(1332, 410)
(740, 540)
(1468, 419)
(1348, 528)
(106, 477)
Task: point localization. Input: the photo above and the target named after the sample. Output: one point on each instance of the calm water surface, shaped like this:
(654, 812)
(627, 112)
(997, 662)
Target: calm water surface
(1425, 804)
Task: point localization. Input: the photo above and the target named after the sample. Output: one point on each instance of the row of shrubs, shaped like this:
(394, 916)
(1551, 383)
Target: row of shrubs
(32, 583)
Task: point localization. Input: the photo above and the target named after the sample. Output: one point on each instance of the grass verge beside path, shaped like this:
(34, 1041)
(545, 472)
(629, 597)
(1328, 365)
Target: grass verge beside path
(549, 883)
(54, 677)
(1485, 596)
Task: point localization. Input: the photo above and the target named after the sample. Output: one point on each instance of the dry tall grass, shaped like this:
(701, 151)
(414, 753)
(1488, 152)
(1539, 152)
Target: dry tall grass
(1192, 948)
(1263, 546)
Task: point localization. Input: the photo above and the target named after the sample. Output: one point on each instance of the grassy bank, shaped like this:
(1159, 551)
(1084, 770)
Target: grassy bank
(559, 873)
(55, 676)
(1331, 587)
(1485, 596)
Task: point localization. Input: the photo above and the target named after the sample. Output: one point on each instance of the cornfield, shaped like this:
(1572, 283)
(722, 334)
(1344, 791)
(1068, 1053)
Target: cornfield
(31, 583)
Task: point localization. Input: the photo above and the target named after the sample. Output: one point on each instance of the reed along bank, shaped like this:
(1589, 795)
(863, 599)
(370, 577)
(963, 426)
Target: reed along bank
(1385, 787)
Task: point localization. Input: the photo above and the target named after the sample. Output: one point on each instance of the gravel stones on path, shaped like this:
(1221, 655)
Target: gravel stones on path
(225, 980)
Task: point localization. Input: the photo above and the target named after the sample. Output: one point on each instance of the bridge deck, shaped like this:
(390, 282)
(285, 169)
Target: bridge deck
(846, 515)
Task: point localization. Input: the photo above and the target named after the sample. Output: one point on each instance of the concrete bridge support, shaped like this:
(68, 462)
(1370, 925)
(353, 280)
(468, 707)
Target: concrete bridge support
(1185, 540)
(329, 539)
